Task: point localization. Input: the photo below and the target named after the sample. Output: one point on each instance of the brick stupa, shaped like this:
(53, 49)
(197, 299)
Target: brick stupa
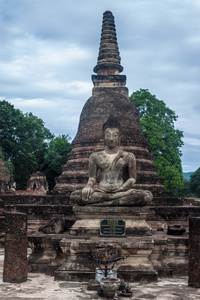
(109, 90)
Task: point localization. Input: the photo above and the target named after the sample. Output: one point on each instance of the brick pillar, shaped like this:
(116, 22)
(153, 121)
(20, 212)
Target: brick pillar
(15, 262)
(194, 253)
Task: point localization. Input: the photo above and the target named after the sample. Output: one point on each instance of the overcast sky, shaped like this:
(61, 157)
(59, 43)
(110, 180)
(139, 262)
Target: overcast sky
(49, 48)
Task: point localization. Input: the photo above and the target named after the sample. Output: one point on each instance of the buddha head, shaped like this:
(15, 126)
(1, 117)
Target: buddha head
(112, 132)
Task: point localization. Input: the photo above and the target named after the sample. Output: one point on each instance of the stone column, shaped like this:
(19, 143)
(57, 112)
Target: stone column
(194, 253)
(15, 262)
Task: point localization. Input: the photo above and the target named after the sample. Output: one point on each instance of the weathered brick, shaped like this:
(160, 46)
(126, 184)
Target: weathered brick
(15, 262)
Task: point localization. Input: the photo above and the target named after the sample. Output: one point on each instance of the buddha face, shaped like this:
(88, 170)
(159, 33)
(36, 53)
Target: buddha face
(112, 137)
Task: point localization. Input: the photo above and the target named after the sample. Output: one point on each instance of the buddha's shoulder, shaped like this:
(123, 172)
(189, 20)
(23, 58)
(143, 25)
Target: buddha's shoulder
(97, 154)
(129, 155)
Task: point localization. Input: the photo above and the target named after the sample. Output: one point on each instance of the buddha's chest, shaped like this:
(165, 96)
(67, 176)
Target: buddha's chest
(109, 162)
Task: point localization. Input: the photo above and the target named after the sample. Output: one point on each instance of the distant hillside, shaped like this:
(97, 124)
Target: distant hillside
(187, 175)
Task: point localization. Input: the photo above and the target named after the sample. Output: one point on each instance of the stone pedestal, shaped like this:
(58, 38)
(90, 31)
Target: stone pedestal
(15, 262)
(193, 251)
(79, 267)
(84, 239)
(89, 218)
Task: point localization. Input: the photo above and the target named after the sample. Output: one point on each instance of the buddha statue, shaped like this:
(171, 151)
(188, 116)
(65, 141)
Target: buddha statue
(118, 174)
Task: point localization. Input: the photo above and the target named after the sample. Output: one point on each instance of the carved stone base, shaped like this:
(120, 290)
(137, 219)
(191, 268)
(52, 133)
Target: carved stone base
(134, 268)
(89, 218)
(85, 232)
(91, 227)
(64, 256)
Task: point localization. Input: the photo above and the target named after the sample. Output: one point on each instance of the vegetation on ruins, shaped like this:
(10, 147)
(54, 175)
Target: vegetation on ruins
(26, 144)
(165, 142)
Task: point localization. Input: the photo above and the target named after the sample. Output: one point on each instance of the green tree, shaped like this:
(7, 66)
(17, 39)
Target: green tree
(55, 157)
(165, 142)
(24, 140)
(195, 182)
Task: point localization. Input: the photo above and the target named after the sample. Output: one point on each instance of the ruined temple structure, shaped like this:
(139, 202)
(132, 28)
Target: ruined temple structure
(109, 90)
(152, 252)
(38, 183)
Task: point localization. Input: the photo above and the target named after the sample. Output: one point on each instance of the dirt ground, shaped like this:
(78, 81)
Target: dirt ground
(42, 287)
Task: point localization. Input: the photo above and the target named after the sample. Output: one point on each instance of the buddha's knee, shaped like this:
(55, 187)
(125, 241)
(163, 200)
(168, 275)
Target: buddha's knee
(76, 197)
(148, 197)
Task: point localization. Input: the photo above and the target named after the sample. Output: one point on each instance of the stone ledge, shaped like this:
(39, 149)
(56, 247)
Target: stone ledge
(113, 212)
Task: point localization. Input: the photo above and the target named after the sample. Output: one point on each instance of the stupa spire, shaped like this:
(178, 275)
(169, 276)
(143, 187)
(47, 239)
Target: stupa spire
(108, 62)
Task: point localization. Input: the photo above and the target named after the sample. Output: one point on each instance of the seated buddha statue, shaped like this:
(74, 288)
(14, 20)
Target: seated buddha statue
(118, 174)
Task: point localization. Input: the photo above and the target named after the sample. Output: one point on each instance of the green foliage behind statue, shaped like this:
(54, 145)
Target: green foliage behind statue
(165, 142)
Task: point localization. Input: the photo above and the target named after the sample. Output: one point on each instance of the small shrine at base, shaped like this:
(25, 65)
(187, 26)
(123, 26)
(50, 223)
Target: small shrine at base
(37, 183)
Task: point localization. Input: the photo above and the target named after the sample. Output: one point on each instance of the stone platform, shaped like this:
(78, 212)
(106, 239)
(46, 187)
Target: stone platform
(64, 256)
(134, 268)
(48, 288)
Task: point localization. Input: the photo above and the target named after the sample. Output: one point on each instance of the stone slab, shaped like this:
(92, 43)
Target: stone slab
(15, 262)
(113, 212)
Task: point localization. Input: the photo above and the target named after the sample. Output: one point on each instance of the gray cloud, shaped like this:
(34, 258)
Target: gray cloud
(50, 48)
